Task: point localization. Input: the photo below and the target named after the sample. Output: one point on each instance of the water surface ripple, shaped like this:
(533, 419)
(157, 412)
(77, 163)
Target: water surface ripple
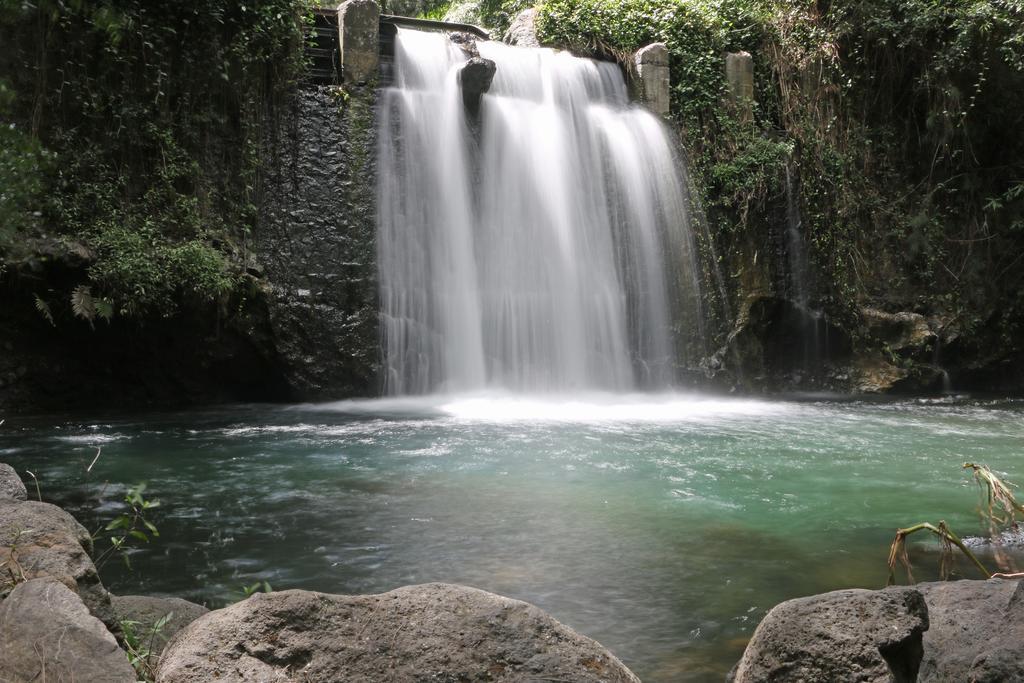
(663, 526)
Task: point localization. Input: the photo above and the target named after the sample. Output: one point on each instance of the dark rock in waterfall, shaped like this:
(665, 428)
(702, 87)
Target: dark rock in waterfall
(476, 77)
(428, 632)
(465, 41)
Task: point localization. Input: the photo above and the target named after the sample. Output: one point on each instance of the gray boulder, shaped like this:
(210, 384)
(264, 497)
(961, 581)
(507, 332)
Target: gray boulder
(523, 30)
(11, 485)
(146, 611)
(39, 540)
(436, 632)
(977, 631)
(848, 635)
(47, 634)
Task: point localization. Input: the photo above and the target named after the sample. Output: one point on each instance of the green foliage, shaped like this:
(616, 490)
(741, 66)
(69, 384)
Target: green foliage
(436, 12)
(696, 32)
(258, 587)
(498, 14)
(139, 642)
(130, 527)
(888, 117)
(247, 591)
(133, 129)
(23, 167)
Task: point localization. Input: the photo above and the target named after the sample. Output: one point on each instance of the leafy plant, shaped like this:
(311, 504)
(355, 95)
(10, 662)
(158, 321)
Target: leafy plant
(134, 129)
(139, 645)
(130, 527)
(258, 587)
(43, 309)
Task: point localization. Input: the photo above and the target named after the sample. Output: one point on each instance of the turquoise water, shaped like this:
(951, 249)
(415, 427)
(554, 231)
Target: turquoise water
(662, 526)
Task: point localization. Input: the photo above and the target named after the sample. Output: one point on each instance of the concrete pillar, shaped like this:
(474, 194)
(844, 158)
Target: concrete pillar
(739, 77)
(358, 40)
(652, 74)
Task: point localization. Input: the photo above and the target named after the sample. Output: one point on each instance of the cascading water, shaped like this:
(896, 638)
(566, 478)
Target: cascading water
(544, 246)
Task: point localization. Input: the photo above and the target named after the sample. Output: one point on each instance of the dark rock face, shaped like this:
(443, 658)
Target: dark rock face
(847, 635)
(436, 632)
(148, 610)
(41, 540)
(476, 77)
(195, 356)
(47, 634)
(11, 485)
(777, 344)
(306, 329)
(316, 243)
(977, 631)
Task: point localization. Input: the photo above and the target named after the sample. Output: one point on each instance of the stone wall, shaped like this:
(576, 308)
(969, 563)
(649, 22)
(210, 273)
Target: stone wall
(315, 242)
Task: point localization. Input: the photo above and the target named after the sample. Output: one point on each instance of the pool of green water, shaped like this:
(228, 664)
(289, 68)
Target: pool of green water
(662, 526)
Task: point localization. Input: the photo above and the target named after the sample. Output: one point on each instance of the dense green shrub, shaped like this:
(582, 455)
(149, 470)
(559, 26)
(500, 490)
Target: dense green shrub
(135, 131)
(894, 120)
(696, 33)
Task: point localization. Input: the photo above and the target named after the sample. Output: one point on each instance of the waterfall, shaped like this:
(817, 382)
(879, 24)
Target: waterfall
(811, 321)
(540, 244)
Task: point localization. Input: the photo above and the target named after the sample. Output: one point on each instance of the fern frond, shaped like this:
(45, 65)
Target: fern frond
(44, 310)
(104, 308)
(82, 303)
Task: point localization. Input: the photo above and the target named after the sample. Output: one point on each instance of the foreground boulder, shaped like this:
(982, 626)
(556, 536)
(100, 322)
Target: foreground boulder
(39, 540)
(11, 485)
(434, 631)
(47, 634)
(146, 611)
(977, 631)
(848, 635)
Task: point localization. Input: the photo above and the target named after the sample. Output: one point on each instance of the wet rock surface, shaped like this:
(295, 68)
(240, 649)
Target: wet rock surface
(48, 634)
(475, 78)
(430, 632)
(847, 635)
(316, 243)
